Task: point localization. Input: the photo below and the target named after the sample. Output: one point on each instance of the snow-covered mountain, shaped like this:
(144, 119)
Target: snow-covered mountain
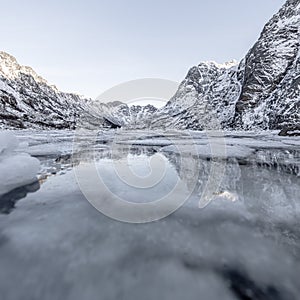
(122, 115)
(208, 92)
(262, 91)
(270, 96)
(28, 101)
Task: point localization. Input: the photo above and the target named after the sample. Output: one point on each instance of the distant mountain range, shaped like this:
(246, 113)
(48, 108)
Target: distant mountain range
(262, 91)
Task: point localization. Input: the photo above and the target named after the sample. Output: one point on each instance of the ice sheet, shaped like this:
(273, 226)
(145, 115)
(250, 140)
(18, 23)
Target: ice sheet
(244, 242)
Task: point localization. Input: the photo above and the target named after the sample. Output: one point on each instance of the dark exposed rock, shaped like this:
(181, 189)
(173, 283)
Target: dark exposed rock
(246, 289)
(290, 131)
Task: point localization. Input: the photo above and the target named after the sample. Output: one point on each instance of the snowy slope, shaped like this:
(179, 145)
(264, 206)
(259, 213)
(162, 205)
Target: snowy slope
(28, 101)
(207, 87)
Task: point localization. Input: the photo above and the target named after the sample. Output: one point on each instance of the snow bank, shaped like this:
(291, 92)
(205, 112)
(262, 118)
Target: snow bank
(16, 169)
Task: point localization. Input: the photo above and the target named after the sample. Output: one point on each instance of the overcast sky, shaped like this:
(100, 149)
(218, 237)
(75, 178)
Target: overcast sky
(90, 46)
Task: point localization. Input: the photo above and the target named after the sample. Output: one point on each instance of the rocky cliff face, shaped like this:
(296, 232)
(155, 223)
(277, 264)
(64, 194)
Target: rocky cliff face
(262, 91)
(271, 77)
(208, 92)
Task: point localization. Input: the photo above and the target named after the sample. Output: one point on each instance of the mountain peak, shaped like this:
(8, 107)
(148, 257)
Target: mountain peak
(225, 65)
(7, 56)
(11, 69)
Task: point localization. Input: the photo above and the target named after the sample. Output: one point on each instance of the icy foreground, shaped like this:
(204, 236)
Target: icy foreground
(243, 245)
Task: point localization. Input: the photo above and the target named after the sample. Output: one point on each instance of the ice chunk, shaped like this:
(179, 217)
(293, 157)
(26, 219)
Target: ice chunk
(16, 169)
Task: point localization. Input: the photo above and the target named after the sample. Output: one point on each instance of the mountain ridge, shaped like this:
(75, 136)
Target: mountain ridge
(27, 100)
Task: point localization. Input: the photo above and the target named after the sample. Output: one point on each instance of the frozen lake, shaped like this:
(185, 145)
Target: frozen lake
(233, 234)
